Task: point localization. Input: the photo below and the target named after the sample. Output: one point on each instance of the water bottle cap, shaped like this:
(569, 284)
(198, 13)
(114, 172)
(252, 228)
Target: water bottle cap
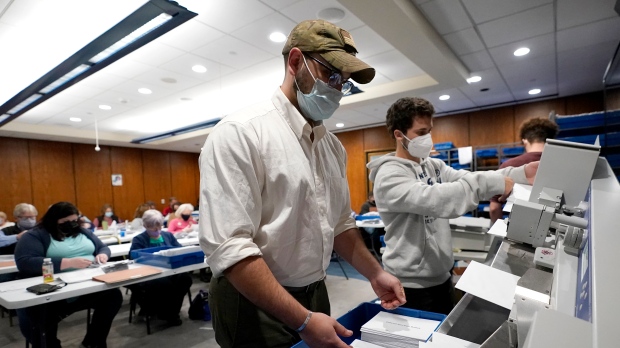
(47, 259)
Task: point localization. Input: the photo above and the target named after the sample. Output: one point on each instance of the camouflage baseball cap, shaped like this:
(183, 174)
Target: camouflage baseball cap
(332, 43)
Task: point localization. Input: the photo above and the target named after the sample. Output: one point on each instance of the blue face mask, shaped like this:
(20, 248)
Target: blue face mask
(322, 101)
(108, 213)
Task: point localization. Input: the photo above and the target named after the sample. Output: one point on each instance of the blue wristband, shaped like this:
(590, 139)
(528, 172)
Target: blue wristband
(303, 326)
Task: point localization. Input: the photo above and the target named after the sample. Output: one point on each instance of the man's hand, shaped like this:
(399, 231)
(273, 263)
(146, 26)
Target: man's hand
(19, 235)
(530, 171)
(389, 289)
(322, 331)
(509, 183)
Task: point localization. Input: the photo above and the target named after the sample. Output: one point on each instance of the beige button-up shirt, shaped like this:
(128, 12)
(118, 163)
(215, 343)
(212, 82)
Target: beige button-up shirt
(267, 189)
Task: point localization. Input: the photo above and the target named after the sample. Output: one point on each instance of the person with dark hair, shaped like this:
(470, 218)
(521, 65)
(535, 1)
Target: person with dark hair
(174, 288)
(60, 237)
(107, 215)
(416, 195)
(533, 133)
(137, 223)
(275, 203)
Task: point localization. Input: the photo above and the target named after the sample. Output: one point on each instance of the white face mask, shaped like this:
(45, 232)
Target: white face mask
(322, 101)
(27, 223)
(420, 146)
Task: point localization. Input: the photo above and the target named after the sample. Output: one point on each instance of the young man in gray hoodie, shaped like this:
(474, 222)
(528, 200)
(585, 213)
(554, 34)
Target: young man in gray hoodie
(416, 195)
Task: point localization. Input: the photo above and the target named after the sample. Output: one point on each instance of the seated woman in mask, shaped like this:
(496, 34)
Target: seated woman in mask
(184, 220)
(59, 236)
(107, 215)
(173, 288)
(25, 218)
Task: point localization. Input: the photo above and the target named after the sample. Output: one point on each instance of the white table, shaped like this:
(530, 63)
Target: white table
(123, 249)
(7, 269)
(13, 295)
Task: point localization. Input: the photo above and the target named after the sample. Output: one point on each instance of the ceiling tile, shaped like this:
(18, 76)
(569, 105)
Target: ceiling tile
(478, 61)
(112, 97)
(228, 15)
(303, 10)
(582, 69)
(377, 111)
(534, 22)
(154, 54)
(190, 35)
(377, 81)
(539, 46)
(257, 33)
(369, 43)
(464, 42)
(92, 106)
(577, 12)
(447, 16)
(589, 34)
(102, 79)
(233, 52)
(127, 68)
(458, 100)
(278, 4)
(183, 65)
(498, 90)
(394, 65)
(81, 90)
(533, 73)
(64, 98)
(42, 112)
(486, 10)
(155, 78)
(129, 89)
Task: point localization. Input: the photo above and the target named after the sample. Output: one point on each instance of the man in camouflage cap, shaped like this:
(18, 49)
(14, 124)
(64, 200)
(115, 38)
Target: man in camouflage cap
(275, 202)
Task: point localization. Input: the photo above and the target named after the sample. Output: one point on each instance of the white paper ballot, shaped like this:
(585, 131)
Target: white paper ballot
(81, 275)
(465, 155)
(520, 191)
(489, 284)
(362, 344)
(449, 341)
(499, 228)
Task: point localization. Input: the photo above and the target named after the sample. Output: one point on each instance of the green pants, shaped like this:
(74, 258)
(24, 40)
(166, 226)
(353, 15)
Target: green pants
(239, 323)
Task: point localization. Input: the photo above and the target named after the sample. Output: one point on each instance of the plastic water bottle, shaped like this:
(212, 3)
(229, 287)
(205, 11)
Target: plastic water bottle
(122, 233)
(48, 270)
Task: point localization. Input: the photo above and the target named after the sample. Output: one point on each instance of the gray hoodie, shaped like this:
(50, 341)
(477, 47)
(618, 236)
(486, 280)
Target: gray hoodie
(415, 202)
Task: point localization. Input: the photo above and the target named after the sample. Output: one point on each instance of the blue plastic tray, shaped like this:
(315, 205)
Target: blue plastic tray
(612, 139)
(511, 151)
(146, 257)
(361, 314)
(486, 153)
(581, 121)
(444, 146)
(586, 139)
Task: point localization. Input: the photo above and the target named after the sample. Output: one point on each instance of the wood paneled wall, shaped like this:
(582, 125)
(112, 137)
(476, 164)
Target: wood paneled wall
(46, 172)
(477, 128)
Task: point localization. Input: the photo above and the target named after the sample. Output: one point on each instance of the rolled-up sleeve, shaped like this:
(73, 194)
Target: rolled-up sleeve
(230, 196)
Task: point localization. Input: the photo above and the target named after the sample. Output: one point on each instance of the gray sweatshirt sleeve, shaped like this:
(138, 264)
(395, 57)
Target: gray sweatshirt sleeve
(515, 173)
(397, 190)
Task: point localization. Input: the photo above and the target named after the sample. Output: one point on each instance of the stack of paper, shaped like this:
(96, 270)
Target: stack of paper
(362, 344)
(178, 251)
(393, 330)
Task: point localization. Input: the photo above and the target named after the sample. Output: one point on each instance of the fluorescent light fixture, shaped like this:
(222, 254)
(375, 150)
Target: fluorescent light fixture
(199, 69)
(75, 119)
(178, 131)
(277, 37)
(339, 125)
(105, 107)
(144, 91)
(534, 91)
(33, 98)
(521, 51)
(150, 21)
(474, 79)
(4, 117)
(444, 97)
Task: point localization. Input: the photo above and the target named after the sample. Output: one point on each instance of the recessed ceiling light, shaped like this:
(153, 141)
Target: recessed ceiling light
(75, 119)
(199, 69)
(331, 14)
(169, 80)
(534, 91)
(474, 79)
(145, 90)
(444, 97)
(105, 107)
(339, 125)
(522, 51)
(277, 37)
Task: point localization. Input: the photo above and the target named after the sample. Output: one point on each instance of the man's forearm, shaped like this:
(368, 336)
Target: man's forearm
(253, 279)
(495, 211)
(350, 245)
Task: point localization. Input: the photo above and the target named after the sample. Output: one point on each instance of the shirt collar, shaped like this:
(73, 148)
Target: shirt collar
(293, 117)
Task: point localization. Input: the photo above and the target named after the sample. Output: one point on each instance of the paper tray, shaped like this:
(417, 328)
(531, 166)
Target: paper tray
(145, 256)
(359, 315)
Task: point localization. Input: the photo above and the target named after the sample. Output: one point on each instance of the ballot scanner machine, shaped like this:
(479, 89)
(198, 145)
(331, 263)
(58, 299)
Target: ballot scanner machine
(561, 242)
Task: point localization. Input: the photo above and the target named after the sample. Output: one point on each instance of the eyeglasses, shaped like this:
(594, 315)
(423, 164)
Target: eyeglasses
(335, 78)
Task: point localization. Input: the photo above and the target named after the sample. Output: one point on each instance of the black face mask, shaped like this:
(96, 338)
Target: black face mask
(69, 228)
(185, 217)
